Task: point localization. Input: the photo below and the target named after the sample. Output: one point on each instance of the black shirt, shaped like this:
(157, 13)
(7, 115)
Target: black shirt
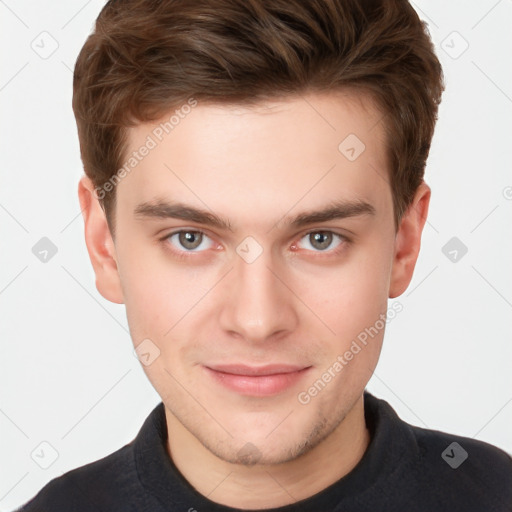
(405, 468)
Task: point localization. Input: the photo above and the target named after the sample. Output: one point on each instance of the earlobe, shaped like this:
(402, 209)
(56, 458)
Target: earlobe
(408, 241)
(100, 244)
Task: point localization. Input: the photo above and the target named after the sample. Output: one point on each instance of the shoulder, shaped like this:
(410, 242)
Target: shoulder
(434, 470)
(456, 450)
(94, 486)
(465, 468)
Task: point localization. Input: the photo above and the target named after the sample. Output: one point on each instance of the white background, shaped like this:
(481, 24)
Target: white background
(68, 374)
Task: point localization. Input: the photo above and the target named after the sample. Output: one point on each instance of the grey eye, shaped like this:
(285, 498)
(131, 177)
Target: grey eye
(321, 239)
(189, 240)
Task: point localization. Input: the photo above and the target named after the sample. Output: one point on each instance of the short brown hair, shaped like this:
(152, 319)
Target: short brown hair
(145, 57)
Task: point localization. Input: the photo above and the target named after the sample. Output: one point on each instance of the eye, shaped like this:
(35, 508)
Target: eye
(320, 241)
(188, 240)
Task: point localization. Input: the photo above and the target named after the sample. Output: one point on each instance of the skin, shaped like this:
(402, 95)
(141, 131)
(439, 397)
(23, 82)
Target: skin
(297, 303)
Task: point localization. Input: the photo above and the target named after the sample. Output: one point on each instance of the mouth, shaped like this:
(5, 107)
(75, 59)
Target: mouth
(256, 380)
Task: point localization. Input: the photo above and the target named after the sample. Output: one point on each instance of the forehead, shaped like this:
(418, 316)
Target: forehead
(308, 149)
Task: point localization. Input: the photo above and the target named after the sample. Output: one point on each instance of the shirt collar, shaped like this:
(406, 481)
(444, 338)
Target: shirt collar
(392, 442)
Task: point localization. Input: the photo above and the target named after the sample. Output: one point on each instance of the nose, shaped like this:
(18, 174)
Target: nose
(258, 303)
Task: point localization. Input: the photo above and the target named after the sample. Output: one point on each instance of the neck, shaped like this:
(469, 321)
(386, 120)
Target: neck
(269, 486)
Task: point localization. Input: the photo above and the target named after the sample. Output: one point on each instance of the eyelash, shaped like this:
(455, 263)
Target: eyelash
(344, 240)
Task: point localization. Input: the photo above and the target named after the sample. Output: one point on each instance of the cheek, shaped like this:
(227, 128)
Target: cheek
(157, 294)
(352, 296)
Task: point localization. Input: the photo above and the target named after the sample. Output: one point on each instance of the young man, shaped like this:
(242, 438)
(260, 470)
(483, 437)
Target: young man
(254, 195)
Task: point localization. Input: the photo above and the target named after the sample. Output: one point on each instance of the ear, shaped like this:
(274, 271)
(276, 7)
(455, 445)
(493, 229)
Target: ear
(408, 241)
(100, 244)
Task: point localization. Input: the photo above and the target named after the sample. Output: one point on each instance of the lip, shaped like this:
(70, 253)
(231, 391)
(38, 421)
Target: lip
(265, 380)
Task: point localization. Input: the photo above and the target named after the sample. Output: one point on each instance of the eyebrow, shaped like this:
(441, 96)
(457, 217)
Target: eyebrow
(340, 209)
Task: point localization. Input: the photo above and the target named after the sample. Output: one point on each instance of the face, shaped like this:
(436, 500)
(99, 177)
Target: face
(250, 310)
